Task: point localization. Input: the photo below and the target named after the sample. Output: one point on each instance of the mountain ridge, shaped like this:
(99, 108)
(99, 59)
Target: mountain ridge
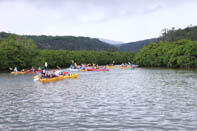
(66, 42)
(136, 46)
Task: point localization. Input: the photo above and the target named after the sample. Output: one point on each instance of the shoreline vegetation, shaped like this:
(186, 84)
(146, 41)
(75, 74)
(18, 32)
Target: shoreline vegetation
(178, 54)
(22, 53)
(174, 49)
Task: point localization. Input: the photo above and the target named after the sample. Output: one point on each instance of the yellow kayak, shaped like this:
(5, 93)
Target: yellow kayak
(52, 79)
(73, 76)
(111, 67)
(18, 72)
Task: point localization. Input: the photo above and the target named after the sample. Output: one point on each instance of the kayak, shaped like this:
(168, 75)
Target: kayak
(52, 79)
(97, 69)
(33, 72)
(19, 72)
(111, 67)
(125, 67)
(74, 69)
(25, 72)
(73, 76)
(82, 70)
(134, 66)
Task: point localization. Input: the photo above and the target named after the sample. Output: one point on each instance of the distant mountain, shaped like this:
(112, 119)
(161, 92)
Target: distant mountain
(114, 43)
(170, 35)
(67, 42)
(136, 46)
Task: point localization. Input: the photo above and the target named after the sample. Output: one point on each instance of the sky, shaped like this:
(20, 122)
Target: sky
(118, 20)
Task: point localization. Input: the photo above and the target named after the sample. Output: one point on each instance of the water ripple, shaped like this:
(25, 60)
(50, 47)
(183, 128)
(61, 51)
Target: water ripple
(141, 99)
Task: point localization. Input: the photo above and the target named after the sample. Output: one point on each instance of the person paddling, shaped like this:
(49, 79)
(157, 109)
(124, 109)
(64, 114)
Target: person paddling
(15, 69)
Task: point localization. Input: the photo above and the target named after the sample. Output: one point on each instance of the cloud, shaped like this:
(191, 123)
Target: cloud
(96, 10)
(123, 19)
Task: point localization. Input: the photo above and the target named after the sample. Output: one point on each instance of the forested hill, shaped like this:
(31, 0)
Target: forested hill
(70, 43)
(86, 43)
(170, 35)
(136, 46)
(67, 42)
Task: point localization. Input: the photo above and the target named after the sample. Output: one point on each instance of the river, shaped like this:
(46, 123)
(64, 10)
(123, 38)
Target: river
(120, 99)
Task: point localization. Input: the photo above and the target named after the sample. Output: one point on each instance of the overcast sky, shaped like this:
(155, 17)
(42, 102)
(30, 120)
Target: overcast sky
(119, 20)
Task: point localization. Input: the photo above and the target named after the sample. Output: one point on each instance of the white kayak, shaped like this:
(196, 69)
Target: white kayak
(74, 69)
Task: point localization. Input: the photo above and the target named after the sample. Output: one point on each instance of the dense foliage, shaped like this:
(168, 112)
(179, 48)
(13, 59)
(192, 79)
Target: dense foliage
(23, 53)
(17, 51)
(179, 54)
(64, 58)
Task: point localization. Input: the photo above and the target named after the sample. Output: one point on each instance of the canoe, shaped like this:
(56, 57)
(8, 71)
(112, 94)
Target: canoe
(53, 79)
(111, 67)
(73, 76)
(97, 69)
(18, 72)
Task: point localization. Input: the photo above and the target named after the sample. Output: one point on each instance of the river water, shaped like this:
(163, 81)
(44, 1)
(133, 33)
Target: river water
(120, 99)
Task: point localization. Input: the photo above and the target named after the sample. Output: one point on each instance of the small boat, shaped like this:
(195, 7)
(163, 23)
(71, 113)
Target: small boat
(53, 79)
(97, 69)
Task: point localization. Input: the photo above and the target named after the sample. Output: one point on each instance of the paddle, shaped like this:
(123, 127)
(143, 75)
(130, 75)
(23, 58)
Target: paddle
(58, 67)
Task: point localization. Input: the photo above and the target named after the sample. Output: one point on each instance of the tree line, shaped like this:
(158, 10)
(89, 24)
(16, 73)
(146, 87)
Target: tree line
(22, 52)
(175, 48)
(178, 54)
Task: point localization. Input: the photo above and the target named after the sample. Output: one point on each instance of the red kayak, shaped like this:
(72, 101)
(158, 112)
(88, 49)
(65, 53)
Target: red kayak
(97, 69)
(33, 72)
